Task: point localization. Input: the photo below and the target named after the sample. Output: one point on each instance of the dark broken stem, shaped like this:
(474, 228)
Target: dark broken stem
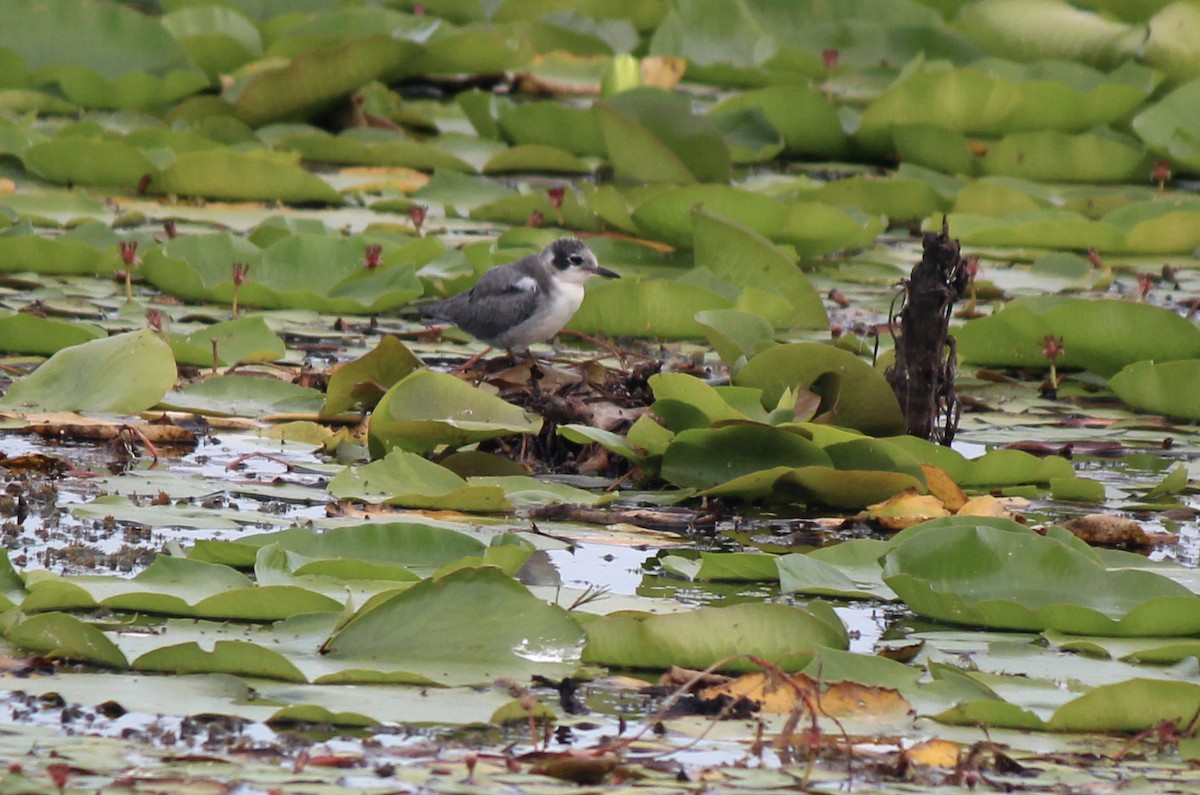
(923, 375)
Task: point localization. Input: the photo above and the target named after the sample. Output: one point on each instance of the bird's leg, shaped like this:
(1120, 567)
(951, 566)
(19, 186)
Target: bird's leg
(535, 370)
(469, 363)
(617, 354)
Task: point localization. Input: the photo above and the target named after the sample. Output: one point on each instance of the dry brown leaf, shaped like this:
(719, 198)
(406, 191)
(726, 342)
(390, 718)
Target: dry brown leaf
(838, 700)
(934, 753)
(846, 699)
(905, 510)
(676, 677)
(69, 425)
(942, 486)
(663, 71)
(987, 505)
(375, 178)
(903, 654)
(1106, 530)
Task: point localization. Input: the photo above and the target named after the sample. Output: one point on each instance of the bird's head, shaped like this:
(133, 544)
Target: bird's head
(570, 260)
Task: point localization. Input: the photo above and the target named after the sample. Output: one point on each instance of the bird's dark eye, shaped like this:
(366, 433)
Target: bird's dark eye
(575, 259)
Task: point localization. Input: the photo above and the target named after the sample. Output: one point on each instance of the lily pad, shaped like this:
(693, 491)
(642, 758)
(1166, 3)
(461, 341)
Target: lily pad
(243, 396)
(708, 457)
(457, 630)
(363, 381)
(26, 333)
(426, 410)
(859, 395)
(983, 576)
(1101, 336)
(406, 479)
(652, 136)
(228, 343)
(784, 635)
(1168, 388)
(122, 374)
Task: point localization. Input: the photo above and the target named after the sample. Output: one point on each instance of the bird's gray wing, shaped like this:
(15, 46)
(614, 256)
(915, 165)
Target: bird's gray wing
(501, 299)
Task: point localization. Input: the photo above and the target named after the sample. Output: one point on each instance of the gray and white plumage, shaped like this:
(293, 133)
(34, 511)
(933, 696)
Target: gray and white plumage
(527, 301)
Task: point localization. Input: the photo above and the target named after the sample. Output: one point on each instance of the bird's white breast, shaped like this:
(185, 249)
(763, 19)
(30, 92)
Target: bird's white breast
(559, 306)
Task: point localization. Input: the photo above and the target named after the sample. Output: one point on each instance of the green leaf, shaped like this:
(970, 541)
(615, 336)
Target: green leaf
(711, 456)
(314, 80)
(651, 135)
(237, 341)
(805, 118)
(76, 160)
(58, 635)
(1031, 30)
(784, 635)
(52, 255)
(734, 333)
(363, 381)
(1170, 45)
(808, 575)
(100, 54)
(1101, 336)
(983, 576)
(426, 410)
(458, 630)
(23, 332)
(244, 176)
(410, 544)
(406, 479)
(747, 259)
(655, 308)
(1052, 156)
(243, 396)
(122, 374)
(241, 658)
(219, 40)
(1168, 126)
(1167, 388)
(859, 395)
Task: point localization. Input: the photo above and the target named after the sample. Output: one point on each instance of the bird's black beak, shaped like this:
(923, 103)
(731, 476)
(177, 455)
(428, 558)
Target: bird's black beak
(605, 272)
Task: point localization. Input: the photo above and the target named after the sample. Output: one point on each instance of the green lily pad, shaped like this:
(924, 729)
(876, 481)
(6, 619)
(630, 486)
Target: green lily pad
(1130, 706)
(26, 333)
(406, 479)
(805, 118)
(58, 635)
(746, 258)
(311, 271)
(363, 381)
(409, 544)
(426, 410)
(30, 252)
(1167, 388)
(219, 40)
(228, 343)
(122, 374)
(655, 308)
(1101, 336)
(1031, 30)
(784, 635)
(652, 136)
(313, 80)
(244, 176)
(243, 396)
(75, 160)
(1053, 156)
(101, 55)
(983, 576)
(458, 630)
(711, 456)
(859, 395)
